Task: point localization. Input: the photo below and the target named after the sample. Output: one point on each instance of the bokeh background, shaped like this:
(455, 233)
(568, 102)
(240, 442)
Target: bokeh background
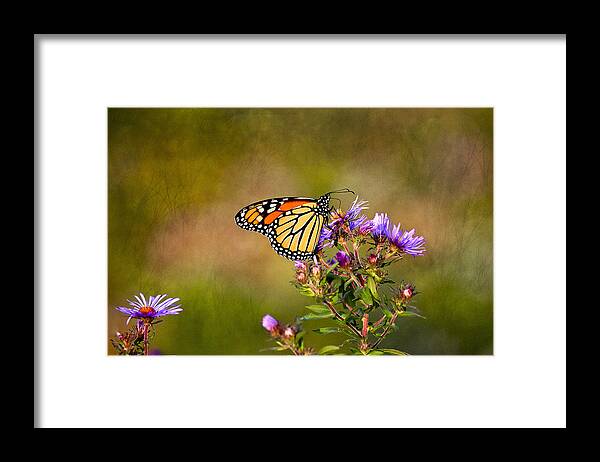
(176, 178)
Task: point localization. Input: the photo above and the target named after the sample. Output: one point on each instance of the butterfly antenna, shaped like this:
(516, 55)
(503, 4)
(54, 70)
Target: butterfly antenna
(341, 191)
(337, 199)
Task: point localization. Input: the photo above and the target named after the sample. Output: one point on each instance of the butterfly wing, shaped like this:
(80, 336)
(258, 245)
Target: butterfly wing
(292, 224)
(295, 236)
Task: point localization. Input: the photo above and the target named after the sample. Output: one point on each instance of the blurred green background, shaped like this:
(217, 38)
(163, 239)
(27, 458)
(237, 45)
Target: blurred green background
(176, 178)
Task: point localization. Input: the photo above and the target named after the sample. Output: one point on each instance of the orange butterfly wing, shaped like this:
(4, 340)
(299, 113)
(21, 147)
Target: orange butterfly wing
(257, 216)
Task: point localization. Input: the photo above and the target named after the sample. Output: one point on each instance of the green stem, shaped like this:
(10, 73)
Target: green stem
(355, 280)
(356, 254)
(377, 323)
(146, 327)
(340, 318)
(385, 332)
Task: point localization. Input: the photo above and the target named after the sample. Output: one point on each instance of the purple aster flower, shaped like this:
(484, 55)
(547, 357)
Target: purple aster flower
(352, 214)
(363, 225)
(380, 226)
(406, 241)
(343, 258)
(325, 239)
(351, 219)
(270, 323)
(154, 307)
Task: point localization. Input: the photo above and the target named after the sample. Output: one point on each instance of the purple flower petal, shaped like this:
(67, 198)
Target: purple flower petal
(269, 322)
(380, 226)
(166, 303)
(158, 299)
(351, 219)
(407, 242)
(343, 258)
(150, 308)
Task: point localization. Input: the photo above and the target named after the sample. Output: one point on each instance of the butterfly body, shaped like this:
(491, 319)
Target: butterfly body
(292, 224)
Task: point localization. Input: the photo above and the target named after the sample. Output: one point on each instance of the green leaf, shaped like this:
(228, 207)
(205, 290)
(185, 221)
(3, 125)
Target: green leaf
(375, 352)
(273, 349)
(392, 351)
(348, 297)
(327, 330)
(319, 309)
(372, 287)
(414, 310)
(306, 291)
(331, 268)
(328, 349)
(371, 272)
(364, 294)
(311, 316)
(388, 313)
(336, 283)
(410, 314)
(346, 315)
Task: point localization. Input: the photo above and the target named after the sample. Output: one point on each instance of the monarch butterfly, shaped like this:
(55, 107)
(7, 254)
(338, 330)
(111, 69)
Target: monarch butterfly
(292, 224)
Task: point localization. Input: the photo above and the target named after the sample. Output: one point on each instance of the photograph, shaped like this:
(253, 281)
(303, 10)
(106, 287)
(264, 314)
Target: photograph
(300, 231)
(364, 230)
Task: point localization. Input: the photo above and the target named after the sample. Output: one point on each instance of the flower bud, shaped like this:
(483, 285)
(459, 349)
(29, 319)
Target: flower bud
(270, 323)
(301, 277)
(316, 271)
(365, 325)
(406, 291)
(343, 258)
(300, 265)
(290, 331)
(372, 259)
(403, 294)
